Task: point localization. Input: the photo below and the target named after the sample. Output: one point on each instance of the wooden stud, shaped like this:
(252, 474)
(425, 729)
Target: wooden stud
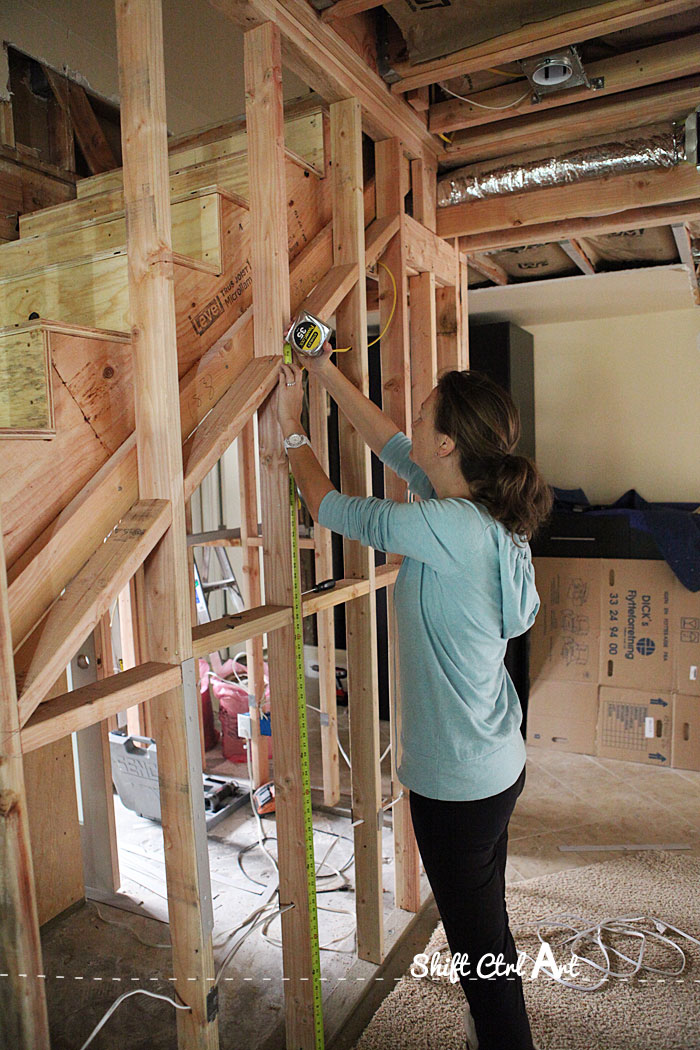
(346, 8)
(160, 476)
(462, 311)
(577, 255)
(396, 402)
(424, 250)
(488, 268)
(253, 594)
(424, 187)
(325, 622)
(423, 338)
(684, 244)
(268, 223)
(355, 471)
(23, 1017)
(72, 98)
(538, 37)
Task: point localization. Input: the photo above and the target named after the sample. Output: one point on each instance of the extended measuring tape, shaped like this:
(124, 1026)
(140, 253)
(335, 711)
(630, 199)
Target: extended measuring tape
(305, 766)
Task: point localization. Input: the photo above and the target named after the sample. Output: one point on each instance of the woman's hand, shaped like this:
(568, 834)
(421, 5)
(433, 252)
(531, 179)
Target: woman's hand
(290, 398)
(316, 365)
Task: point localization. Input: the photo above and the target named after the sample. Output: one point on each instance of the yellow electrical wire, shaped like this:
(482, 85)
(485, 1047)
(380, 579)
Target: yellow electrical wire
(344, 349)
(504, 72)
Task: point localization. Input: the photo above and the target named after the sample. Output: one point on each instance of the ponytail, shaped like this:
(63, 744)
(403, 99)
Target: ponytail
(484, 423)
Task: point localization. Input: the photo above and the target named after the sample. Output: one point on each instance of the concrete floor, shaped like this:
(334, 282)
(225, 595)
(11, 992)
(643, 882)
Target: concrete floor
(567, 800)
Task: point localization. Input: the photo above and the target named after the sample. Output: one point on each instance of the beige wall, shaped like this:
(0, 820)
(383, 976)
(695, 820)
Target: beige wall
(617, 405)
(203, 53)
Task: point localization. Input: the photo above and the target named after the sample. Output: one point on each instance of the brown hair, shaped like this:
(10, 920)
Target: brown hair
(482, 420)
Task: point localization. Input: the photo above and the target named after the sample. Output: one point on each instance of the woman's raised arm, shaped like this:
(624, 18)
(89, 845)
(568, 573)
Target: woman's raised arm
(374, 426)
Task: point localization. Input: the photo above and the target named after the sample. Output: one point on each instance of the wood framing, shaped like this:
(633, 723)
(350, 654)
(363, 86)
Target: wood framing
(396, 402)
(23, 1016)
(330, 66)
(355, 473)
(168, 635)
(268, 217)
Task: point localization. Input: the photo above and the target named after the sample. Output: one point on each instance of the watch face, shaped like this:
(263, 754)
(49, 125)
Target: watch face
(295, 440)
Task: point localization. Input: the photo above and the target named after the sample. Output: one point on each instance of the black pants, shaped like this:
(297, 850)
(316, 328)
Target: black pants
(463, 846)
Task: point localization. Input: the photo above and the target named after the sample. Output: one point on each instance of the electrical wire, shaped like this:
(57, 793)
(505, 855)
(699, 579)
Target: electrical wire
(344, 349)
(593, 934)
(120, 1000)
(482, 105)
(504, 72)
(130, 929)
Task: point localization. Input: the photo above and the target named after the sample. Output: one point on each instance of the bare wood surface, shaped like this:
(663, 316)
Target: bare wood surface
(592, 197)
(355, 469)
(70, 712)
(488, 268)
(424, 250)
(23, 1016)
(346, 8)
(238, 628)
(269, 258)
(85, 599)
(633, 69)
(160, 476)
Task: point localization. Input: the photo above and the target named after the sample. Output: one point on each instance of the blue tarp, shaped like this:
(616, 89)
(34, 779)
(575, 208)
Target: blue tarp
(674, 527)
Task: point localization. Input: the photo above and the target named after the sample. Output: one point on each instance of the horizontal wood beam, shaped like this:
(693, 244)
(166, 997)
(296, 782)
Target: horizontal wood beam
(428, 253)
(238, 628)
(587, 198)
(227, 419)
(537, 37)
(544, 233)
(88, 595)
(317, 54)
(92, 703)
(615, 114)
(635, 69)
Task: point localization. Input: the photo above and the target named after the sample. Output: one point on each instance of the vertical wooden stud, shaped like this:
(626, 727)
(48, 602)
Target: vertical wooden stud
(423, 338)
(23, 1017)
(166, 584)
(325, 623)
(463, 329)
(355, 469)
(253, 595)
(396, 396)
(269, 259)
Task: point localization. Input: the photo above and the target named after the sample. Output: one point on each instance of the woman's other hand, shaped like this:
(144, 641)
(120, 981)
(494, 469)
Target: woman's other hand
(316, 365)
(290, 397)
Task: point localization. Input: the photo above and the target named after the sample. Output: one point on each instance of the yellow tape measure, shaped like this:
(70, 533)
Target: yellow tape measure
(305, 767)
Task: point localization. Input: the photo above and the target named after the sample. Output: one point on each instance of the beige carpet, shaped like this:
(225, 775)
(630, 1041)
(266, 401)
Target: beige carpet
(646, 1012)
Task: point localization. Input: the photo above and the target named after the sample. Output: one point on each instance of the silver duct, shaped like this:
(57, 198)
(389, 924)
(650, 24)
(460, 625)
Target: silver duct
(661, 149)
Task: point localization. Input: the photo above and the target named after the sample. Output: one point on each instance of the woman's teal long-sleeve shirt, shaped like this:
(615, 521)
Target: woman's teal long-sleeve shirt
(464, 588)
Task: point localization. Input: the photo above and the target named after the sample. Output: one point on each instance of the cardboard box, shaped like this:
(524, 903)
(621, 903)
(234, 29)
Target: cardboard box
(635, 649)
(565, 638)
(562, 716)
(685, 639)
(635, 725)
(685, 751)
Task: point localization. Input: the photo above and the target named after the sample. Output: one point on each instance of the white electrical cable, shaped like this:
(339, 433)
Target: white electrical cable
(120, 1000)
(482, 105)
(130, 929)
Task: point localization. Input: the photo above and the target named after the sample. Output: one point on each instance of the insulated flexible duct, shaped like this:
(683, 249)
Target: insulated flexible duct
(654, 151)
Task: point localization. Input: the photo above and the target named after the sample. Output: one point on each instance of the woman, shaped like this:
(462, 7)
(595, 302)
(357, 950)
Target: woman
(465, 586)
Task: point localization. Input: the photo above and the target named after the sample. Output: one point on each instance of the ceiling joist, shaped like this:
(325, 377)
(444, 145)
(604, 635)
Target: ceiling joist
(538, 37)
(636, 69)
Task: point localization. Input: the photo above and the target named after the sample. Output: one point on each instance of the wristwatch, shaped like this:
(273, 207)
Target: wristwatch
(295, 441)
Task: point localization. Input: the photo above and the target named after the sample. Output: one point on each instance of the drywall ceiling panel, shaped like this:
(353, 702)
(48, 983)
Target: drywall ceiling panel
(432, 28)
(617, 294)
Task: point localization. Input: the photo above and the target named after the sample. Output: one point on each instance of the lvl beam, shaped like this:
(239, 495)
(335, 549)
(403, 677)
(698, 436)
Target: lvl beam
(396, 402)
(168, 631)
(269, 259)
(23, 1017)
(355, 468)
